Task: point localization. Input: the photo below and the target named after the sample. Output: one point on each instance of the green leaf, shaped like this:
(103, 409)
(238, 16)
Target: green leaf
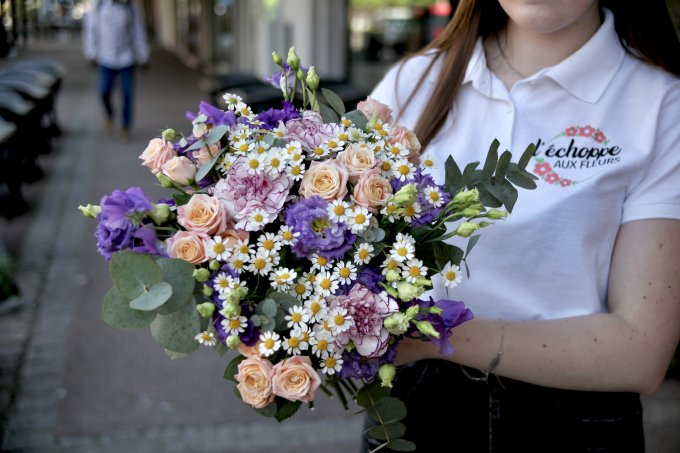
(471, 243)
(401, 445)
(371, 393)
(357, 118)
(334, 100)
(116, 312)
(491, 160)
(521, 178)
(179, 274)
(232, 368)
(471, 175)
(502, 167)
(487, 199)
(419, 233)
(267, 411)
(176, 331)
(526, 156)
(388, 431)
(181, 198)
(328, 114)
(268, 307)
(454, 178)
(445, 252)
(206, 167)
(286, 409)
(133, 273)
(388, 408)
(504, 192)
(216, 134)
(150, 300)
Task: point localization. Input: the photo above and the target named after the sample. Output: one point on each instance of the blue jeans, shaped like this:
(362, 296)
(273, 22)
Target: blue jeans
(107, 80)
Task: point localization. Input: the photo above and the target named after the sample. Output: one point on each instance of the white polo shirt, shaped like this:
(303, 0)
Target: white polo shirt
(607, 128)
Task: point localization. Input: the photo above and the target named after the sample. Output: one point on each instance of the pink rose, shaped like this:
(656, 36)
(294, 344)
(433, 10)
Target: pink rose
(203, 214)
(367, 310)
(371, 106)
(179, 169)
(255, 381)
(295, 379)
(310, 130)
(206, 153)
(356, 160)
(188, 246)
(406, 137)
(326, 179)
(157, 153)
(242, 193)
(372, 190)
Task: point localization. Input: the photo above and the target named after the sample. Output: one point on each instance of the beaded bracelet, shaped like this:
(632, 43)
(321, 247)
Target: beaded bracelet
(493, 364)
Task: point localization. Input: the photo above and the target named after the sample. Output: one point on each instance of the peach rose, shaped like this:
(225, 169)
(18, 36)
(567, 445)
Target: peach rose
(188, 246)
(255, 381)
(372, 190)
(371, 106)
(249, 351)
(356, 160)
(206, 153)
(326, 179)
(406, 137)
(230, 237)
(180, 169)
(203, 214)
(158, 152)
(294, 379)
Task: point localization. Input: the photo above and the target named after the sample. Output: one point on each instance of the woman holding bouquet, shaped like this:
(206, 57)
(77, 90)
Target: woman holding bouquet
(577, 295)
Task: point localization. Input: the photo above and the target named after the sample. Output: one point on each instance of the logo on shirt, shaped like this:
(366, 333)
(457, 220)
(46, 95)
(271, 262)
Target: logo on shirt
(563, 158)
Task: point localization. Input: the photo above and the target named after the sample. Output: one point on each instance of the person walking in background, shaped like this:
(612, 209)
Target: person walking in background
(114, 39)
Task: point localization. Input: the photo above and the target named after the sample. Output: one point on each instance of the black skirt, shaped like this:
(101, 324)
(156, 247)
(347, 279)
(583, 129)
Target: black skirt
(448, 412)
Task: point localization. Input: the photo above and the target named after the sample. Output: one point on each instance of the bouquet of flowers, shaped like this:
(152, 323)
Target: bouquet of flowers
(304, 238)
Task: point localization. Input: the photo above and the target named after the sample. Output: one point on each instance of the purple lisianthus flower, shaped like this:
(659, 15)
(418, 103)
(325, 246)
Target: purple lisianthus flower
(149, 242)
(276, 79)
(453, 314)
(215, 115)
(358, 367)
(271, 118)
(427, 211)
(370, 277)
(318, 234)
(120, 218)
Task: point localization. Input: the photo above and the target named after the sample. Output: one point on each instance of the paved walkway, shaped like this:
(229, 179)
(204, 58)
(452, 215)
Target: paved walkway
(69, 382)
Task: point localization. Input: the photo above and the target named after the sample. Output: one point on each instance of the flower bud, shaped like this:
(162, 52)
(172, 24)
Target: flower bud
(233, 341)
(91, 210)
(199, 129)
(168, 134)
(166, 182)
(160, 213)
(214, 265)
(422, 281)
(485, 224)
(496, 214)
(300, 74)
(231, 310)
(470, 212)
(387, 372)
(436, 310)
(466, 197)
(390, 290)
(396, 323)
(312, 78)
(277, 58)
(207, 291)
(412, 311)
(392, 276)
(407, 292)
(465, 229)
(405, 196)
(426, 328)
(206, 309)
(293, 60)
(201, 275)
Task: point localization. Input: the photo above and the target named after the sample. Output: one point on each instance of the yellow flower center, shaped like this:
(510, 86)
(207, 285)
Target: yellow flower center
(224, 284)
(393, 264)
(343, 136)
(391, 209)
(386, 166)
(330, 362)
(295, 171)
(254, 163)
(258, 217)
(268, 244)
(409, 211)
(269, 343)
(428, 163)
(450, 275)
(377, 126)
(318, 151)
(395, 150)
(360, 219)
(305, 337)
(326, 283)
(275, 162)
(363, 254)
(288, 235)
(332, 144)
(243, 147)
(296, 317)
(261, 150)
(404, 170)
(293, 342)
(237, 264)
(243, 249)
(344, 272)
(260, 263)
(218, 248)
(206, 336)
(244, 111)
(315, 307)
(339, 210)
(414, 271)
(234, 323)
(322, 345)
(346, 122)
(322, 261)
(339, 320)
(300, 289)
(402, 251)
(434, 196)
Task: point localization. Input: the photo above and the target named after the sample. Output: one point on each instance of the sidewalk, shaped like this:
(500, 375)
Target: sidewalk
(74, 384)
(81, 385)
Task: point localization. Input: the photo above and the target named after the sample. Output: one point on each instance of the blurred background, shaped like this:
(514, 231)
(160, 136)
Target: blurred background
(68, 381)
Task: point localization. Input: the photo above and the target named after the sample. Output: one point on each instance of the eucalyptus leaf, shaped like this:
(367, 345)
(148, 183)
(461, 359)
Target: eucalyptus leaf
(133, 273)
(387, 408)
(401, 445)
(116, 312)
(232, 368)
(268, 307)
(471, 175)
(206, 167)
(445, 252)
(454, 178)
(502, 167)
(520, 178)
(179, 274)
(216, 134)
(328, 114)
(471, 243)
(150, 300)
(286, 409)
(526, 156)
(176, 331)
(388, 431)
(333, 100)
(504, 192)
(357, 118)
(283, 300)
(197, 145)
(487, 199)
(370, 394)
(491, 160)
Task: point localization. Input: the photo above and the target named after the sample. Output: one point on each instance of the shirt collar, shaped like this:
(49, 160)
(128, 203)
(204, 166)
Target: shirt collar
(585, 74)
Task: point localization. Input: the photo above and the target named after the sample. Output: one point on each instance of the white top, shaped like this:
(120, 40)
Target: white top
(608, 137)
(114, 34)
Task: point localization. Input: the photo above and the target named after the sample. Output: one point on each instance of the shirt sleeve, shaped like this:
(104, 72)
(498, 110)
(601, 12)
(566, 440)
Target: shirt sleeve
(140, 42)
(657, 195)
(89, 33)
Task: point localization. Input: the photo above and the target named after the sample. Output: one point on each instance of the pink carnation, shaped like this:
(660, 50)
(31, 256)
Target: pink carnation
(242, 193)
(367, 310)
(310, 130)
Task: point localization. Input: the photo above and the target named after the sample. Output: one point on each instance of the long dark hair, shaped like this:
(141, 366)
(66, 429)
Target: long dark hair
(646, 32)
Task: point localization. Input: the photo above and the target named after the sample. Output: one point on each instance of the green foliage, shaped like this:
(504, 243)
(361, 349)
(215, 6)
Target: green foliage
(334, 101)
(358, 118)
(179, 274)
(328, 114)
(386, 411)
(285, 408)
(176, 331)
(116, 312)
(152, 298)
(134, 273)
(232, 368)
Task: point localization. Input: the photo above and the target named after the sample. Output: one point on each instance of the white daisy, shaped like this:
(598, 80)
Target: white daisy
(412, 212)
(413, 269)
(306, 334)
(391, 211)
(427, 162)
(322, 343)
(282, 278)
(288, 235)
(403, 170)
(402, 251)
(245, 111)
(225, 162)
(217, 249)
(295, 344)
(452, 275)
(316, 309)
(358, 219)
(364, 253)
(280, 130)
(269, 242)
(232, 100)
(331, 364)
(294, 147)
(387, 169)
(258, 218)
(206, 338)
(275, 163)
(397, 151)
(301, 289)
(239, 262)
(235, 325)
(240, 132)
(339, 320)
(319, 152)
(261, 147)
(334, 144)
(320, 262)
(405, 237)
(243, 249)
(433, 195)
(325, 284)
(345, 272)
(261, 263)
(256, 163)
(242, 147)
(270, 342)
(338, 210)
(296, 170)
(355, 134)
(222, 282)
(390, 264)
